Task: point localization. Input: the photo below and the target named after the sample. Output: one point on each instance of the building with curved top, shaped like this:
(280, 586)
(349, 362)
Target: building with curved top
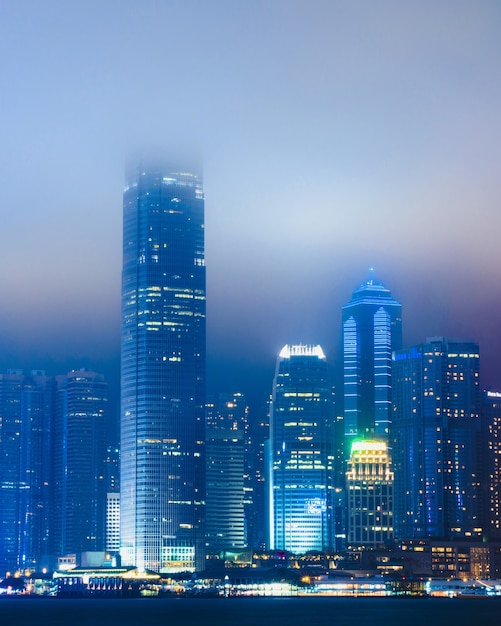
(301, 454)
(372, 330)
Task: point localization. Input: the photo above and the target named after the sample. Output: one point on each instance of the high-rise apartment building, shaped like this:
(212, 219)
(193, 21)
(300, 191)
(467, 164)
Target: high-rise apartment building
(163, 370)
(226, 430)
(369, 484)
(301, 452)
(78, 460)
(372, 329)
(436, 440)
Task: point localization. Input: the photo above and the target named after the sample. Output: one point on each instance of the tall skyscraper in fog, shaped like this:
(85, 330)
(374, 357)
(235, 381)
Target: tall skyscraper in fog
(436, 438)
(163, 370)
(372, 329)
(300, 455)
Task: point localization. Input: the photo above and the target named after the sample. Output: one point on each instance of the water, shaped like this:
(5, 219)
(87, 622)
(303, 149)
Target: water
(250, 612)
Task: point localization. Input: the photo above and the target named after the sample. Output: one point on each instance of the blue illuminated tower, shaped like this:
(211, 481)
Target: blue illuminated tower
(300, 456)
(372, 330)
(436, 439)
(78, 460)
(26, 407)
(163, 370)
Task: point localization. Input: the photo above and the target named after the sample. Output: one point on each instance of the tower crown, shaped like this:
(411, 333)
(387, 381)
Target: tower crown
(301, 350)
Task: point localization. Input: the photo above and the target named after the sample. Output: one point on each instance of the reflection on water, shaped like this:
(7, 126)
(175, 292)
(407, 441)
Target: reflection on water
(250, 612)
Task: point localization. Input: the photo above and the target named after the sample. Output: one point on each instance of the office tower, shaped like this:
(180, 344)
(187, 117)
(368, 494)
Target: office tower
(372, 329)
(491, 466)
(226, 429)
(436, 439)
(163, 371)
(79, 454)
(300, 463)
(369, 483)
(25, 420)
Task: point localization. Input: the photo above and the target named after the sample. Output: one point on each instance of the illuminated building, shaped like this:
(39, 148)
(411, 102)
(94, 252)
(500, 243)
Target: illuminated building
(436, 440)
(78, 460)
(25, 421)
(163, 371)
(300, 458)
(491, 414)
(372, 329)
(225, 474)
(113, 522)
(105, 582)
(369, 484)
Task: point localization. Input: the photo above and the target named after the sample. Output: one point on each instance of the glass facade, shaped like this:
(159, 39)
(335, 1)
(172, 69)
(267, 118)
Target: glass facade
(25, 482)
(436, 440)
(163, 371)
(78, 457)
(372, 329)
(226, 429)
(301, 452)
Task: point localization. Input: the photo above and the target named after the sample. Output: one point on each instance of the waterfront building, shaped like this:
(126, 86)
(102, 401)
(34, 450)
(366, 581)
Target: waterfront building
(163, 370)
(78, 459)
(300, 455)
(369, 485)
(226, 428)
(436, 440)
(372, 329)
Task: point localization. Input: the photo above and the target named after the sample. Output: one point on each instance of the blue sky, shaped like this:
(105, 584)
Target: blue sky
(335, 135)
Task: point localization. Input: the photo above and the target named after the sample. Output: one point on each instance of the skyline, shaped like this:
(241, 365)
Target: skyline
(334, 139)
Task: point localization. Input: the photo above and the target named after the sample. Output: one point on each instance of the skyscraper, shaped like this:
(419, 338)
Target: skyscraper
(78, 459)
(372, 329)
(226, 445)
(10, 456)
(25, 480)
(301, 447)
(37, 406)
(163, 370)
(491, 457)
(436, 440)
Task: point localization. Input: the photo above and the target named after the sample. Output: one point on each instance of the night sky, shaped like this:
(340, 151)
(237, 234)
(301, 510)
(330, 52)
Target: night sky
(335, 135)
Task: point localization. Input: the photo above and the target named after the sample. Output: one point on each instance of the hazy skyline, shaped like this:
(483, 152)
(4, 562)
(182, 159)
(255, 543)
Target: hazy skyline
(335, 136)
